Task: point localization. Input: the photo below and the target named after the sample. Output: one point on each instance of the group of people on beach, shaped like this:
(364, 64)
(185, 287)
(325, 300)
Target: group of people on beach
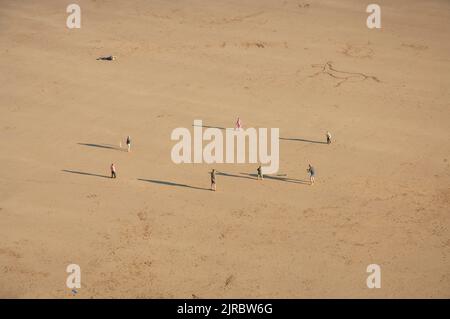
(259, 175)
(311, 171)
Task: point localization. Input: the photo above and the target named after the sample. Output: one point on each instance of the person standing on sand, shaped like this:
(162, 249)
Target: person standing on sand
(238, 124)
(213, 180)
(259, 171)
(113, 171)
(312, 173)
(328, 138)
(129, 143)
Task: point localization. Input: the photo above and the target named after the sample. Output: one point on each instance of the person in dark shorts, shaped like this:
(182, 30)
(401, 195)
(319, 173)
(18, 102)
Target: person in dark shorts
(129, 143)
(312, 174)
(213, 180)
(328, 138)
(259, 171)
(113, 171)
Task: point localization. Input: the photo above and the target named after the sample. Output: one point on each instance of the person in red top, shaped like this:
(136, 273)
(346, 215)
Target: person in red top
(113, 171)
(238, 124)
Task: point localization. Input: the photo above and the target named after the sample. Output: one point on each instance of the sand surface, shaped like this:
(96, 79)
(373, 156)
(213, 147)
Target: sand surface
(382, 191)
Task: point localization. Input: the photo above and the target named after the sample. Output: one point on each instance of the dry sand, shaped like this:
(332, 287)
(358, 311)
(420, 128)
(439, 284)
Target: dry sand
(382, 190)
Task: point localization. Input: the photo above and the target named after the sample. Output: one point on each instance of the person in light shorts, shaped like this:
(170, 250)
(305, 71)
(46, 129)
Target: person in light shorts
(312, 174)
(328, 138)
(260, 174)
(129, 143)
(213, 180)
(113, 171)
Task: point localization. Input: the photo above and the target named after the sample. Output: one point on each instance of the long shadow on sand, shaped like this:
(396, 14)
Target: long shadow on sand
(206, 126)
(172, 184)
(233, 175)
(302, 140)
(84, 173)
(282, 179)
(108, 146)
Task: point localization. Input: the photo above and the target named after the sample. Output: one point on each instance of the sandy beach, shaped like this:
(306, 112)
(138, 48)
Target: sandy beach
(382, 190)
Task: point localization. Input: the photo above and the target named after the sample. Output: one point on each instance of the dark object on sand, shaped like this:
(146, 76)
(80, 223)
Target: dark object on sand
(107, 58)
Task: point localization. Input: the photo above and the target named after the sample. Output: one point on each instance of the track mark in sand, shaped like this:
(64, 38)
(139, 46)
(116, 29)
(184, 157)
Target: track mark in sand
(240, 213)
(9, 252)
(146, 230)
(229, 280)
(308, 212)
(443, 197)
(356, 51)
(22, 271)
(238, 18)
(307, 284)
(163, 115)
(439, 229)
(417, 47)
(446, 243)
(142, 215)
(343, 76)
(254, 44)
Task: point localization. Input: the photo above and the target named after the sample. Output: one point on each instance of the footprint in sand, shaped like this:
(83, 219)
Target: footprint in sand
(142, 215)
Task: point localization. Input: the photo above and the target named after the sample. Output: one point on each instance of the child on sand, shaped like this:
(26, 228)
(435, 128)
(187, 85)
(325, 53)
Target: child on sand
(260, 175)
(129, 143)
(213, 180)
(312, 173)
(328, 138)
(113, 171)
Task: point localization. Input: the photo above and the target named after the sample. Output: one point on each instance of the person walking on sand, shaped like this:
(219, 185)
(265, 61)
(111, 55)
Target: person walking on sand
(213, 180)
(259, 171)
(129, 143)
(238, 124)
(113, 171)
(312, 173)
(328, 138)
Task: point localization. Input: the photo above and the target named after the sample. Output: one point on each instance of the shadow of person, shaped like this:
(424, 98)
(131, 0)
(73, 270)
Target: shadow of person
(84, 173)
(206, 126)
(171, 184)
(233, 175)
(282, 179)
(108, 146)
(302, 140)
